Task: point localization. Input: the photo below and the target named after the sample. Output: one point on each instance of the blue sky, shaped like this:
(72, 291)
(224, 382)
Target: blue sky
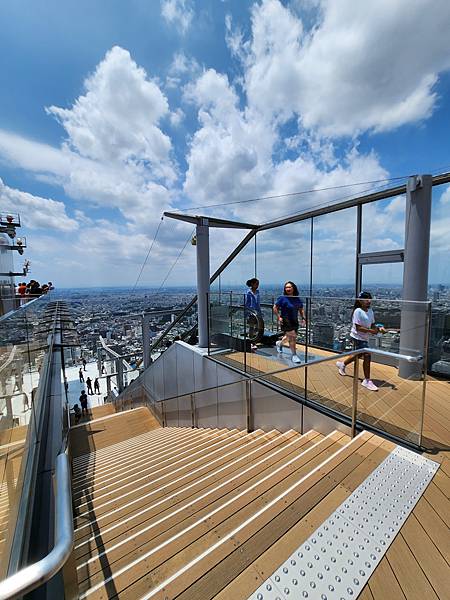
(111, 112)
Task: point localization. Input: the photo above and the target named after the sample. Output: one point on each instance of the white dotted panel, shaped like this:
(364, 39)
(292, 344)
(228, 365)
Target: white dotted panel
(337, 560)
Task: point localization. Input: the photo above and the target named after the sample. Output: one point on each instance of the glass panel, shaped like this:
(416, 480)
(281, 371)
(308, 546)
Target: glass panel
(283, 254)
(241, 269)
(439, 283)
(395, 403)
(383, 281)
(383, 225)
(334, 248)
(22, 354)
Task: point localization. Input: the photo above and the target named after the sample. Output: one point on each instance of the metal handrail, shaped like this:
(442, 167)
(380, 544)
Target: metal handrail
(34, 575)
(250, 379)
(375, 351)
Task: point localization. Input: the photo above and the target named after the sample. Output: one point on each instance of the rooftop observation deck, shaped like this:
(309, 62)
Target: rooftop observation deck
(215, 475)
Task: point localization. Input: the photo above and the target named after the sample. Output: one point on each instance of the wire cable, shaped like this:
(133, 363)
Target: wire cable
(176, 260)
(148, 253)
(300, 193)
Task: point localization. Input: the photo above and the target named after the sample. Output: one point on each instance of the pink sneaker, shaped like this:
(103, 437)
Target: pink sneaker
(341, 366)
(369, 384)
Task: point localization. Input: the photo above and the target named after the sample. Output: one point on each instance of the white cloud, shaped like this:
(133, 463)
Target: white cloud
(115, 155)
(117, 118)
(229, 155)
(176, 117)
(183, 68)
(178, 13)
(445, 197)
(36, 212)
(354, 70)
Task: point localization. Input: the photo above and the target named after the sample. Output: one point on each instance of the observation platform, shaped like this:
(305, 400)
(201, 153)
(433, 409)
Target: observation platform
(395, 408)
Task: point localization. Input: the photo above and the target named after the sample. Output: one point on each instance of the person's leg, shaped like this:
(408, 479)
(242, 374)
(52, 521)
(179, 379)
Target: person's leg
(366, 366)
(292, 339)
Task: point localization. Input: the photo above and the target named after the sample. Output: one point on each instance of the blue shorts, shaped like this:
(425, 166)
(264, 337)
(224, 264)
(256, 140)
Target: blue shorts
(359, 344)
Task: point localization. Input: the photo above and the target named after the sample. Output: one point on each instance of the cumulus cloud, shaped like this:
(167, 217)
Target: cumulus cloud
(117, 118)
(229, 155)
(36, 212)
(352, 71)
(115, 155)
(178, 13)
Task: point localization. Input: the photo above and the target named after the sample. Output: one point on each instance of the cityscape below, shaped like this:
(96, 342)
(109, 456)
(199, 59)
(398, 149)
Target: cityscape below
(116, 314)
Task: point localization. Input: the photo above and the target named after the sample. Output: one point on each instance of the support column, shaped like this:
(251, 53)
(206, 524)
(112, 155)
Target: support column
(413, 326)
(202, 281)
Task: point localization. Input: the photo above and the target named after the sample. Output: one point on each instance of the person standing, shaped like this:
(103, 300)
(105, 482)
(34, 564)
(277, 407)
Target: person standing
(252, 300)
(84, 403)
(89, 386)
(80, 375)
(288, 307)
(96, 386)
(253, 305)
(363, 326)
(84, 364)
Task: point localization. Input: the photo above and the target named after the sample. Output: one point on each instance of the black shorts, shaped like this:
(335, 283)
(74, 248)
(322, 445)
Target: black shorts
(359, 344)
(289, 325)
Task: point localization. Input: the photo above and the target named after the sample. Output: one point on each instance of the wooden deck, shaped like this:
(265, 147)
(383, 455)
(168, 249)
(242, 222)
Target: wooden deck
(395, 408)
(204, 513)
(11, 454)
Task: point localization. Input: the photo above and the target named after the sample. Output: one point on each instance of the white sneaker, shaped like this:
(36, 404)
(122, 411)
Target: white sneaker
(279, 347)
(295, 359)
(341, 366)
(369, 384)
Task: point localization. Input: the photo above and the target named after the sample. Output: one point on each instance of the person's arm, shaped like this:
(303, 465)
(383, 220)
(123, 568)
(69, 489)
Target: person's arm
(302, 313)
(248, 300)
(366, 329)
(275, 310)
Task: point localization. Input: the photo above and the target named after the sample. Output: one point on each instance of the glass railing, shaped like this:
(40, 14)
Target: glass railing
(391, 389)
(26, 339)
(197, 397)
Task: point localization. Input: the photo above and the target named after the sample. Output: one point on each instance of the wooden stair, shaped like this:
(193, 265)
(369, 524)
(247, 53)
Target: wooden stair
(207, 513)
(105, 430)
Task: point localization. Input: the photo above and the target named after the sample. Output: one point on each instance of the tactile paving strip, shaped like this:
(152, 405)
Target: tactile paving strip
(337, 560)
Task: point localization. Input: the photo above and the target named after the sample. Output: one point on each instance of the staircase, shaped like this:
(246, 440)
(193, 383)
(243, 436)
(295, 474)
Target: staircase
(188, 513)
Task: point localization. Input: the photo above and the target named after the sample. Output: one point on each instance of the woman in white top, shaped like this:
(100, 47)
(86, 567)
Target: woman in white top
(363, 325)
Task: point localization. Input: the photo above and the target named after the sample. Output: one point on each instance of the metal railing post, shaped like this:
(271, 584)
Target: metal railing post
(425, 369)
(248, 403)
(164, 422)
(355, 395)
(245, 340)
(192, 411)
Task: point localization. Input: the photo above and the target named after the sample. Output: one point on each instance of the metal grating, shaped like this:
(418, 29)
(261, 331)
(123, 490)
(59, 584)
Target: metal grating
(337, 560)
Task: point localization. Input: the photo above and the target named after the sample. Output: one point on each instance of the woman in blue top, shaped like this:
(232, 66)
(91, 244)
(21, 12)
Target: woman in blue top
(253, 305)
(287, 308)
(252, 296)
